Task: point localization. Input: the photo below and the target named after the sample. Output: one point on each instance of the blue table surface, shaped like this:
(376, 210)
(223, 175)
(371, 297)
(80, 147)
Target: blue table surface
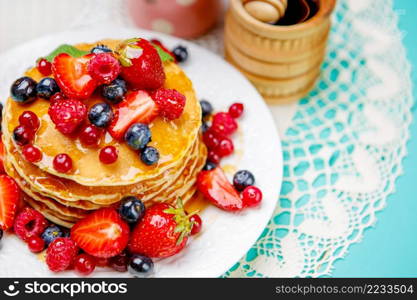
(390, 248)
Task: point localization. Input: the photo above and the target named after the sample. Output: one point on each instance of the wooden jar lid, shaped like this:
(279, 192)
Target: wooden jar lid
(268, 11)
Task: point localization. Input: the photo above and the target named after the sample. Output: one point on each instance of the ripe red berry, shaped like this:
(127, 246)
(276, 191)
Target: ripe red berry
(56, 97)
(101, 261)
(225, 147)
(44, 67)
(236, 110)
(23, 135)
(119, 262)
(197, 224)
(104, 67)
(108, 155)
(61, 253)
(32, 154)
(224, 124)
(213, 157)
(84, 264)
(67, 114)
(62, 163)
(29, 222)
(30, 120)
(170, 103)
(211, 139)
(90, 135)
(251, 196)
(35, 244)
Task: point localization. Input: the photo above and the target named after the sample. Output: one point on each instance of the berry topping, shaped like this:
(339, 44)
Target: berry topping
(170, 103)
(72, 76)
(1, 235)
(197, 224)
(100, 114)
(29, 222)
(57, 97)
(23, 90)
(243, 179)
(162, 46)
(181, 53)
(46, 88)
(138, 107)
(101, 262)
(162, 232)
(141, 65)
(9, 199)
(60, 254)
(149, 156)
(225, 147)
(35, 244)
(103, 233)
(236, 110)
(216, 188)
(23, 135)
(62, 163)
(51, 233)
(204, 127)
(90, 135)
(211, 139)
(44, 67)
(223, 124)
(108, 155)
(67, 114)
(209, 166)
(1, 157)
(251, 196)
(115, 91)
(119, 262)
(100, 49)
(30, 120)
(32, 154)
(140, 266)
(213, 157)
(138, 136)
(104, 68)
(206, 108)
(84, 264)
(131, 209)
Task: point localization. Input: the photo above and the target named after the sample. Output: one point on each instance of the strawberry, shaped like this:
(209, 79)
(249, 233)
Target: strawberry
(215, 187)
(1, 156)
(138, 107)
(162, 232)
(9, 201)
(141, 64)
(72, 76)
(103, 233)
(170, 103)
(67, 114)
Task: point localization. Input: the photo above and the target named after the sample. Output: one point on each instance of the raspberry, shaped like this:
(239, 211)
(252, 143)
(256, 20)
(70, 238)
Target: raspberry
(104, 68)
(29, 223)
(67, 114)
(224, 124)
(60, 254)
(171, 103)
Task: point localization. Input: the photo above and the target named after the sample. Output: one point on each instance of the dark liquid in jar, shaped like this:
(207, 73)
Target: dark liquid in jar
(297, 12)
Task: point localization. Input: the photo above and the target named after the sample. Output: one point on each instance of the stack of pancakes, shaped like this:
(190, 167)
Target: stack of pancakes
(67, 198)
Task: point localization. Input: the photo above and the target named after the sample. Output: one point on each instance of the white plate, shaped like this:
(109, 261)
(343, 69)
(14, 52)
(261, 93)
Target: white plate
(226, 237)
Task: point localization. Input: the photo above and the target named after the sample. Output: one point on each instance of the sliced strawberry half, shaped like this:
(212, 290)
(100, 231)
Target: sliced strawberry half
(138, 107)
(9, 200)
(72, 76)
(102, 233)
(215, 187)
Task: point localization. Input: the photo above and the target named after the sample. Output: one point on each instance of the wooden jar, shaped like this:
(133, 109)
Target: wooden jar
(283, 62)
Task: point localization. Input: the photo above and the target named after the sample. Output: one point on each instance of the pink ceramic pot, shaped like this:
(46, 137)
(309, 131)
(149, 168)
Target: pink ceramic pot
(183, 18)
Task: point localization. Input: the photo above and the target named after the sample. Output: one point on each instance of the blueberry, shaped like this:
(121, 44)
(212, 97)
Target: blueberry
(206, 108)
(204, 127)
(100, 114)
(140, 266)
(115, 91)
(100, 49)
(149, 156)
(180, 53)
(209, 166)
(138, 136)
(46, 88)
(243, 179)
(131, 209)
(24, 90)
(51, 233)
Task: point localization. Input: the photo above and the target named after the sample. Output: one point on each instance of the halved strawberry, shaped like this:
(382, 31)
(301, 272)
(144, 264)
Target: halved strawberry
(138, 107)
(9, 200)
(72, 76)
(1, 156)
(102, 233)
(215, 187)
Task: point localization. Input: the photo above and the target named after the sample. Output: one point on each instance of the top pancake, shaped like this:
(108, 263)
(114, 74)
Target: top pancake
(173, 139)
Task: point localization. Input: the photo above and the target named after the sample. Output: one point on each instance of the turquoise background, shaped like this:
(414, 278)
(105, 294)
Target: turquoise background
(390, 248)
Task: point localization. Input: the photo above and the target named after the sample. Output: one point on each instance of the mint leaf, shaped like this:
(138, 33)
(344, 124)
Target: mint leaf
(71, 50)
(162, 54)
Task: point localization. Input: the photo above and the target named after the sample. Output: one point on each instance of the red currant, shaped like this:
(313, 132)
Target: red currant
(108, 155)
(57, 97)
(84, 264)
(197, 224)
(44, 66)
(213, 157)
(236, 110)
(119, 263)
(32, 154)
(251, 196)
(101, 262)
(23, 135)
(62, 163)
(35, 244)
(30, 120)
(225, 147)
(211, 139)
(223, 124)
(90, 135)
